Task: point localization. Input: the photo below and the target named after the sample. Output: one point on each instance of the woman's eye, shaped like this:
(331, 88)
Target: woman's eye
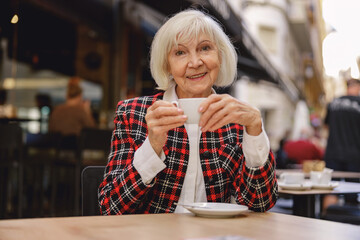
(178, 53)
(205, 48)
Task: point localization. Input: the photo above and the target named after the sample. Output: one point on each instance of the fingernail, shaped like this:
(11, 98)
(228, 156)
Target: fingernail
(201, 109)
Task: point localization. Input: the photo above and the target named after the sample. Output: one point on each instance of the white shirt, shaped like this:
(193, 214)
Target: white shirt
(149, 164)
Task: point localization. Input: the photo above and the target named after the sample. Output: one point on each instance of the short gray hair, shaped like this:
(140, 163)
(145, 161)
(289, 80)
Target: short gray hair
(187, 25)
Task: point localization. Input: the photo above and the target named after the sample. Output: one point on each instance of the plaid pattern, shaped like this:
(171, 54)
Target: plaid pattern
(222, 162)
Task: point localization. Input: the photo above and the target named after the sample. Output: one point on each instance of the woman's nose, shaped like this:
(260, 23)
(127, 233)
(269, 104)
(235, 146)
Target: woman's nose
(195, 61)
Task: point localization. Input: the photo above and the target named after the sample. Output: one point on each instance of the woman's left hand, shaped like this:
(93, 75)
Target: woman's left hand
(221, 109)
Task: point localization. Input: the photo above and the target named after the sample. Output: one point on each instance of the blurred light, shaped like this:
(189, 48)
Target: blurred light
(15, 19)
(335, 59)
(33, 127)
(45, 111)
(34, 113)
(9, 83)
(341, 47)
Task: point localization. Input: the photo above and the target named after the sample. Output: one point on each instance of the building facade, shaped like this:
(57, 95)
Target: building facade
(289, 33)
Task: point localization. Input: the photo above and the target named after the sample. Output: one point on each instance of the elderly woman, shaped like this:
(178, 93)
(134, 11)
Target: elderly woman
(152, 167)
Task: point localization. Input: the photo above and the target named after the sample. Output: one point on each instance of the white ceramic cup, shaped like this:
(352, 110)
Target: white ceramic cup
(322, 178)
(292, 178)
(190, 106)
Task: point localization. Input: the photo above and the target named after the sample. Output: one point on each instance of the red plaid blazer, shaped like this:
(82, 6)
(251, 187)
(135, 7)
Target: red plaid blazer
(223, 164)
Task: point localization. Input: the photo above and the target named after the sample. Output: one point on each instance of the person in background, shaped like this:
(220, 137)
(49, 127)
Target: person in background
(75, 114)
(343, 145)
(6, 110)
(152, 168)
(343, 121)
(297, 151)
(280, 155)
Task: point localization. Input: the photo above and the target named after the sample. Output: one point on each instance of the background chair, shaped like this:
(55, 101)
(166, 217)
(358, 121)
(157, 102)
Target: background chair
(91, 177)
(11, 168)
(41, 154)
(343, 213)
(93, 149)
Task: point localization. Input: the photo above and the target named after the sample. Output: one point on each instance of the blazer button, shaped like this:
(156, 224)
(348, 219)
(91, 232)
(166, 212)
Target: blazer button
(206, 154)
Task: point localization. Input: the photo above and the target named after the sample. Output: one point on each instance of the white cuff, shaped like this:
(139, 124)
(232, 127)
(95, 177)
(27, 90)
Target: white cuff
(255, 148)
(147, 162)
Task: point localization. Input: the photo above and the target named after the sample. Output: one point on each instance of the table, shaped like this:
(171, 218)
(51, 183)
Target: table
(251, 225)
(304, 202)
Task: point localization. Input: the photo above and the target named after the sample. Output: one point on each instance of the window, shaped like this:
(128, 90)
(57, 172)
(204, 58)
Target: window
(267, 36)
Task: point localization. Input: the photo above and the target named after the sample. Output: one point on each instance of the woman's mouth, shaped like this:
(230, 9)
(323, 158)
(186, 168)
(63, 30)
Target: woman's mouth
(193, 77)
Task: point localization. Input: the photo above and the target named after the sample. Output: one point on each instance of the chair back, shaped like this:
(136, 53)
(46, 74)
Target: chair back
(43, 140)
(91, 177)
(10, 137)
(95, 139)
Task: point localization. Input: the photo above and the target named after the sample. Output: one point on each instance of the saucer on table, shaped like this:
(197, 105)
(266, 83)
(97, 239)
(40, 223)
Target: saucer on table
(295, 186)
(328, 186)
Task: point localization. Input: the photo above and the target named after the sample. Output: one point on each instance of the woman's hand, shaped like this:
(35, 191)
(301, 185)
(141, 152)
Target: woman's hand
(221, 109)
(161, 117)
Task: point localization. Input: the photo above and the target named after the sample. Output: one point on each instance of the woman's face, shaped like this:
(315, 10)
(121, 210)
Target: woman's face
(195, 66)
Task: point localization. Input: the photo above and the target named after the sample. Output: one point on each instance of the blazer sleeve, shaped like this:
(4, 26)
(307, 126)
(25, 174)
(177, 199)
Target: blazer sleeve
(257, 187)
(122, 189)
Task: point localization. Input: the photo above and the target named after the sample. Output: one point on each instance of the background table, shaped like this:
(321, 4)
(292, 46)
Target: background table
(304, 201)
(177, 226)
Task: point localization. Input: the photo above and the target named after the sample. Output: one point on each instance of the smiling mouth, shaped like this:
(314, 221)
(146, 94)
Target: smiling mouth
(197, 76)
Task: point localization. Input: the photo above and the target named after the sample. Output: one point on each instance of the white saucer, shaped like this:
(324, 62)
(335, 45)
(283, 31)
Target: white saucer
(329, 186)
(215, 210)
(300, 187)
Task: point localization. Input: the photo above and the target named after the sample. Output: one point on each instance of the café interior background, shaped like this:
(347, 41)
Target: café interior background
(294, 55)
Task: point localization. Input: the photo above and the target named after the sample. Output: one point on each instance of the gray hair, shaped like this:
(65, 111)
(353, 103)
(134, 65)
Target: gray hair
(189, 24)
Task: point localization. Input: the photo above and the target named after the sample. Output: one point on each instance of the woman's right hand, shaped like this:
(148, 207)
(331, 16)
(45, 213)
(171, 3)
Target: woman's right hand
(161, 117)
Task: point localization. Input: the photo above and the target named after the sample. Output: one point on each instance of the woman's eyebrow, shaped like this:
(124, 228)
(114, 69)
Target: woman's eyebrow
(205, 41)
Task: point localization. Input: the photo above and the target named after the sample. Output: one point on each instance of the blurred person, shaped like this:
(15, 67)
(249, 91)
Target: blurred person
(75, 114)
(152, 168)
(343, 121)
(303, 148)
(281, 155)
(343, 145)
(6, 110)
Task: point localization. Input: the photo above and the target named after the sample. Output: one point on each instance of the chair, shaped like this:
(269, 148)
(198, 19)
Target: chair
(91, 177)
(11, 145)
(92, 139)
(64, 175)
(343, 213)
(41, 154)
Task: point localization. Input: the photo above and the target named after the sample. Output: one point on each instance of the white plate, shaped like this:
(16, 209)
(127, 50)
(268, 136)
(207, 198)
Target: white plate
(300, 187)
(329, 186)
(215, 210)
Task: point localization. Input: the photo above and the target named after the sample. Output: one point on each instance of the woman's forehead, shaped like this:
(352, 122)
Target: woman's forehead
(186, 38)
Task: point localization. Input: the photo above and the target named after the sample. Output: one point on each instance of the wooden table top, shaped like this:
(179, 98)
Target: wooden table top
(251, 225)
(343, 188)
